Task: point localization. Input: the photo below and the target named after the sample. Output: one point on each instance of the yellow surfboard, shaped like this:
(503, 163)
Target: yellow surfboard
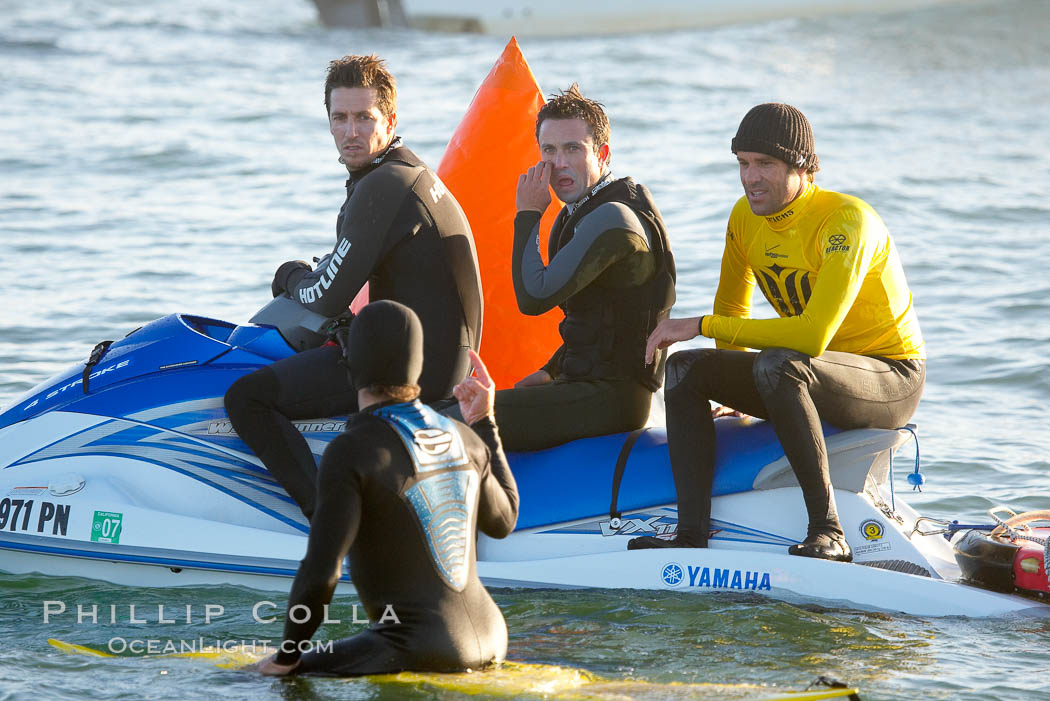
(516, 679)
(224, 658)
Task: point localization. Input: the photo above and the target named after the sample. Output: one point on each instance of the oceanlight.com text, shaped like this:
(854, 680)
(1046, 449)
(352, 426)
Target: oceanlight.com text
(154, 646)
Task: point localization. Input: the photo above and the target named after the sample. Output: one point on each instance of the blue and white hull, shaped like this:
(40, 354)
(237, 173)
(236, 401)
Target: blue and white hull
(140, 480)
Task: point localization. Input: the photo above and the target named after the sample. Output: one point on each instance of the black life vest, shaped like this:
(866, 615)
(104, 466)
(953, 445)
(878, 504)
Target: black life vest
(605, 329)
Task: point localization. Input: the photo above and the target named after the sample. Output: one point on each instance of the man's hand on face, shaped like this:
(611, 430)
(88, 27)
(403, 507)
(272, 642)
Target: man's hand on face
(534, 188)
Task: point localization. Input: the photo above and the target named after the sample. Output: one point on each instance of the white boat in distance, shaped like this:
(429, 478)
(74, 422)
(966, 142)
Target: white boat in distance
(559, 18)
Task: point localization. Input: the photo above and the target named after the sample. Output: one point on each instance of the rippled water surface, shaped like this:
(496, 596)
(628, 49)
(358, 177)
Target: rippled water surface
(160, 157)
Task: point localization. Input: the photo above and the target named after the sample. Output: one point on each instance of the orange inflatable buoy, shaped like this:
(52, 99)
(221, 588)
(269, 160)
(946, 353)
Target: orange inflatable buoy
(493, 145)
(360, 299)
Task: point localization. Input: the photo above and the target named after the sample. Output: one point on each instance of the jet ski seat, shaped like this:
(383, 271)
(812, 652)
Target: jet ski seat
(575, 480)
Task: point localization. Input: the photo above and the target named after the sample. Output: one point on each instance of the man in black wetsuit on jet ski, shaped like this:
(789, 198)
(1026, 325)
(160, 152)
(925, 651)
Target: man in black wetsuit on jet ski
(610, 270)
(399, 230)
(403, 490)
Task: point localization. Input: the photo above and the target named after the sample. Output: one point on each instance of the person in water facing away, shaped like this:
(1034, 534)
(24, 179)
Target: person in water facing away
(400, 230)
(846, 349)
(404, 491)
(611, 271)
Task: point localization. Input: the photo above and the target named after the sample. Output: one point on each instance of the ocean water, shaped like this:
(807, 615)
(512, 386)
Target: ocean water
(159, 157)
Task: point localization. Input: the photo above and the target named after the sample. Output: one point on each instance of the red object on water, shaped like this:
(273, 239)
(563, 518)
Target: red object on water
(1032, 581)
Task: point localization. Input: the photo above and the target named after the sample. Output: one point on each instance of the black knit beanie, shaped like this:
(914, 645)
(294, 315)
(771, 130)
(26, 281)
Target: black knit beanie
(385, 346)
(777, 130)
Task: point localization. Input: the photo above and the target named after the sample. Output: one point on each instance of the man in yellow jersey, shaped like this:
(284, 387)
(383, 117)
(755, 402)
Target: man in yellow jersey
(846, 347)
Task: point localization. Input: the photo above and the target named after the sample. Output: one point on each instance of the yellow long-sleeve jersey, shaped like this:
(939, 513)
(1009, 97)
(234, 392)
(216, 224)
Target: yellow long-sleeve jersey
(828, 266)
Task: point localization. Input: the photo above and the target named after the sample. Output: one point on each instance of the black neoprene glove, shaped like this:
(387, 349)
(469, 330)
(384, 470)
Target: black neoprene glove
(280, 279)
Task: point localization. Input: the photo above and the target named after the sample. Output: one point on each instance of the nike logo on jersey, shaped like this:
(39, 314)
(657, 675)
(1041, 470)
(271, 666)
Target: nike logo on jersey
(770, 253)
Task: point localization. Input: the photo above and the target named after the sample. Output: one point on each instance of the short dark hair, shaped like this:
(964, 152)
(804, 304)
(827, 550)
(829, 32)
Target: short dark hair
(362, 72)
(400, 393)
(571, 104)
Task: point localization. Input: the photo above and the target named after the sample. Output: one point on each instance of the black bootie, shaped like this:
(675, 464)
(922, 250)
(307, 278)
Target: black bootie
(823, 545)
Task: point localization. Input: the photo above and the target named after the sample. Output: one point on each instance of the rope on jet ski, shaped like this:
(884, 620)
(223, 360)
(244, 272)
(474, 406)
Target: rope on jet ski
(1007, 527)
(1000, 528)
(948, 528)
(916, 478)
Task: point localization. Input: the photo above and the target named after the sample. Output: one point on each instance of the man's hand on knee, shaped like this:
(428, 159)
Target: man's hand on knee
(722, 410)
(670, 331)
(535, 379)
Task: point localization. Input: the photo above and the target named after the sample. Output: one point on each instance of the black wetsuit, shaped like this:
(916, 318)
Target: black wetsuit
(404, 233)
(410, 528)
(612, 273)
(792, 390)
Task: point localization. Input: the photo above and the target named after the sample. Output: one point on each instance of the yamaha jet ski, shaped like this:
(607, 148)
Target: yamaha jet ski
(125, 468)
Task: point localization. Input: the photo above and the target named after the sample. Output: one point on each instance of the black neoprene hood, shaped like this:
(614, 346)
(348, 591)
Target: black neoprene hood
(385, 346)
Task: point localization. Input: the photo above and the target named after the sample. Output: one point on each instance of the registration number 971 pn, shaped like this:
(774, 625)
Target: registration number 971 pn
(31, 515)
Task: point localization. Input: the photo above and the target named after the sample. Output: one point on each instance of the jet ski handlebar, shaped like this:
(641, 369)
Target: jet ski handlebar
(300, 327)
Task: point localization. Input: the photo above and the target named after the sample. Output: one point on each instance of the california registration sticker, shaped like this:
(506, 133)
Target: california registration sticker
(105, 528)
